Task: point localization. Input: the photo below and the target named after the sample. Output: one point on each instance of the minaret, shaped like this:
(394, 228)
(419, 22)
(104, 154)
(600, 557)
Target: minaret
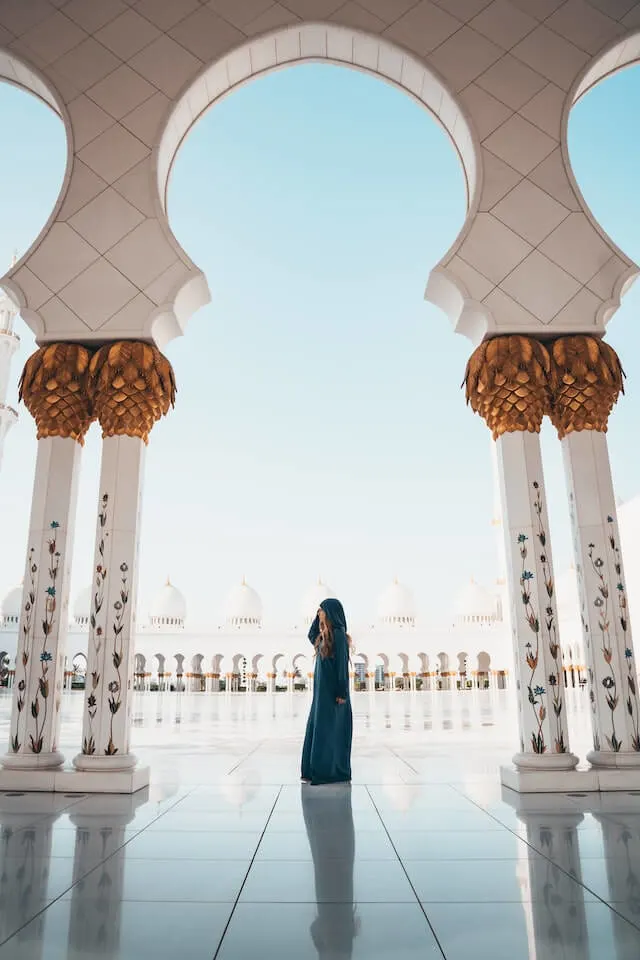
(9, 343)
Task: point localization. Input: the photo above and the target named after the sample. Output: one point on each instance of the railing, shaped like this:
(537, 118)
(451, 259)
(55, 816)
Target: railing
(5, 406)
(5, 332)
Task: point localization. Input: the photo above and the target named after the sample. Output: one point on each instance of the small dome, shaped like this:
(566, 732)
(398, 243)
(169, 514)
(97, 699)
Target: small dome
(82, 607)
(11, 606)
(475, 605)
(169, 608)
(396, 606)
(244, 607)
(313, 598)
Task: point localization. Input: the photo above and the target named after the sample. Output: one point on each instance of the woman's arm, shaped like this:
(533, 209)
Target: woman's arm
(341, 651)
(314, 630)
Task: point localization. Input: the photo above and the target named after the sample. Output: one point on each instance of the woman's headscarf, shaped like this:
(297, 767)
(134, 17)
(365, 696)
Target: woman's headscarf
(335, 613)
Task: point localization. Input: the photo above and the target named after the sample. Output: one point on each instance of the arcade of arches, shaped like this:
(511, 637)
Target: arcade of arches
(531, 280)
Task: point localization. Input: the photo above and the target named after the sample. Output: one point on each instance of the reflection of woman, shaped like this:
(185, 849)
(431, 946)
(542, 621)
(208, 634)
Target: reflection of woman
(329, 822)
(326, 754)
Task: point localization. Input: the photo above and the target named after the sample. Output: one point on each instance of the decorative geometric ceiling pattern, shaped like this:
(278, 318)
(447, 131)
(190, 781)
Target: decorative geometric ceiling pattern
(130, 77)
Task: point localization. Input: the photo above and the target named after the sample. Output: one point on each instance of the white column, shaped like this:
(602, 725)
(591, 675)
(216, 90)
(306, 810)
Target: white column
(42, 632)
(109, 690)
(544, 739)
(615, 711)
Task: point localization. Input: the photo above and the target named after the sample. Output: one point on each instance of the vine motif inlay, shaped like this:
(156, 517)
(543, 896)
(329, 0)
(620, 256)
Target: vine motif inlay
(39, 704)
(117, 655)
(545, 631)
(27, 643)
(96, 630)
(606, 616)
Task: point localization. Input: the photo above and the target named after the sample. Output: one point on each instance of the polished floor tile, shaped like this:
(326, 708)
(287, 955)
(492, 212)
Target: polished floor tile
(189, 881)
(191, 845)
(463, 845)
(236, 821)
(226, 834)
(497, 881)
(308, 931)
(540, 931)
(288, 821)
(369, 845)
(96, 930)
(327, 881)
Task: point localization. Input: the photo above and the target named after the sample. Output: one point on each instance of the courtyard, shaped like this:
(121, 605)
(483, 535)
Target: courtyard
(225, 855)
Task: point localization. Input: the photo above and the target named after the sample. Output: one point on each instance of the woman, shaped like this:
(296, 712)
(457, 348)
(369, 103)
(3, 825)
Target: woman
(326, 755)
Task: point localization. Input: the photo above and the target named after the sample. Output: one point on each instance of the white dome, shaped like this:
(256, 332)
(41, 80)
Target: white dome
(169, 608)
(396, 605)
(82, 607)
(244, 607)
(11, 606)
(313, 598)
(475, 605)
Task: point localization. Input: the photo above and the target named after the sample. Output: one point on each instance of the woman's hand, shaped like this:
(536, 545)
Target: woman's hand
(340, 700)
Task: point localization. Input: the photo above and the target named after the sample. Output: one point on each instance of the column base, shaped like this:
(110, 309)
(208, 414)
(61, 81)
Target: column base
(607, 760)
(545, 762)
(591, 780)
(549, 780)
(35, 762)
(92, 763)
(74, 781)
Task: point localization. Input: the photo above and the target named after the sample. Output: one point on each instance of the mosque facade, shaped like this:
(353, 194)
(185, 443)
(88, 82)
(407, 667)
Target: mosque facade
(243, 652)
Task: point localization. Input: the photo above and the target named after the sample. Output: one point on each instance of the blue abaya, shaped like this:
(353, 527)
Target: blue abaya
(326, 754)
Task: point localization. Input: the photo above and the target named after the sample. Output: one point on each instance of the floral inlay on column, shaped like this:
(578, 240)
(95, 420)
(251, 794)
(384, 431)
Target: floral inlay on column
(39, 705)
(26, 644)
(131, 385)
(96, 630)
(610, 682)
(509, 382)
(589, 381)
(118, 655)
(545, 630)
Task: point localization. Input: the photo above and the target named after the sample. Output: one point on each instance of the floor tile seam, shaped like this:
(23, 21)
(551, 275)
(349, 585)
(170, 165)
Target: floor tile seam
(404, 870)
(245, 758)
(242, 885)
(580, 882)
(66, 890)
(401, 759)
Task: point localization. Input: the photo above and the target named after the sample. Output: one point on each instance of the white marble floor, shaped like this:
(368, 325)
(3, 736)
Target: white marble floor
(227, 856)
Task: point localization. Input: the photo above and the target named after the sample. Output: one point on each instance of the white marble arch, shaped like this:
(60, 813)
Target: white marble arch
(317, 43)
(20, 73)
(130, 81)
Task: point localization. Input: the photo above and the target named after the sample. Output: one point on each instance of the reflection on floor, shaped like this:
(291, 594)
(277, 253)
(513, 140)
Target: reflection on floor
(227, 856)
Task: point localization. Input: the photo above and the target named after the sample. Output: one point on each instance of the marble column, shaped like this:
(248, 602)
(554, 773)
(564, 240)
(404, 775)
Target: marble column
(589, 380)
(53, 387)
(132, 386)
(508, 384)
(107, 713)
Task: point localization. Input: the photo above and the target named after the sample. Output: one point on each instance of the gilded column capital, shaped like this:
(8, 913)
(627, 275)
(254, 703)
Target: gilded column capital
(131, 385)
(588, 381)
(53, 387)
(508, 382)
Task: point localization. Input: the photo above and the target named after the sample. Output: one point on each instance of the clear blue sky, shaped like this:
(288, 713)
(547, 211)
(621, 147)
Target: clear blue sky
(320, 426)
